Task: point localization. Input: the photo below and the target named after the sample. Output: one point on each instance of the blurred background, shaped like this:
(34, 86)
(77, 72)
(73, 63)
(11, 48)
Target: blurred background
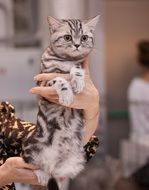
(114, 64)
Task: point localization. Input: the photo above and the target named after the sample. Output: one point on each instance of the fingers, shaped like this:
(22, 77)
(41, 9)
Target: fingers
(18, 162)
(49, 76)
(27, 176)
(47, 92)
(19, 171)
(43, 91)
(22, 164)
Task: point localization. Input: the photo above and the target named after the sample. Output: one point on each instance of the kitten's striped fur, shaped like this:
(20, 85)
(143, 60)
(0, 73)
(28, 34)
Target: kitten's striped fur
(56, 146)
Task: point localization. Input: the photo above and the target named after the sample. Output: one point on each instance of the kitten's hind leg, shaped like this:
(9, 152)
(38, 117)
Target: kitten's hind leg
(63, 89)
(42, 177)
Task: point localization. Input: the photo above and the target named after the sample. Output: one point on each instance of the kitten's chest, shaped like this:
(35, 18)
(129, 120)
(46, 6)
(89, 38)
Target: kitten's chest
(56, 65)
(64, 66)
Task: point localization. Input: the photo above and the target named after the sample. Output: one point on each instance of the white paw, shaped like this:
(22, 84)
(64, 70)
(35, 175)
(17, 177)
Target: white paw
(64, 91)
(78, 85)
(66, 97)
(42, 177)
(77, 80)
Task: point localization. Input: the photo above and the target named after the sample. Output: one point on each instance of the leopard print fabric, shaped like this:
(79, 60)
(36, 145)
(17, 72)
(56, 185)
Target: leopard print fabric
(14, 130)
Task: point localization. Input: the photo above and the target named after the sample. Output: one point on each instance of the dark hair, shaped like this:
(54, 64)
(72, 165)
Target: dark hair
(143, 53)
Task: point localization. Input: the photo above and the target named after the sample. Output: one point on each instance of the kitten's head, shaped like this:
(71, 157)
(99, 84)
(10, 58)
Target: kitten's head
(72, 38)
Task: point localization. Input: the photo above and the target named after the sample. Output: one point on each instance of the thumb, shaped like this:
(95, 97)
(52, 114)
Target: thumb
(43, 91)
(20, 163)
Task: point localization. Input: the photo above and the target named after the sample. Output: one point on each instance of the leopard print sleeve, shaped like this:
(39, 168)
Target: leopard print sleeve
(91, 147)
(12, 133)
(3, 157)
(14, 130)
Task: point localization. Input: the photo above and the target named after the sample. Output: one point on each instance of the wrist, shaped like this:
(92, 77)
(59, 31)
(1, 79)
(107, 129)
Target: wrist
(91, 113)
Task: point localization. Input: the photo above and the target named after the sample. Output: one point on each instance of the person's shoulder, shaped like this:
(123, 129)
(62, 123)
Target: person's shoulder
(137, 88)
(137, 82)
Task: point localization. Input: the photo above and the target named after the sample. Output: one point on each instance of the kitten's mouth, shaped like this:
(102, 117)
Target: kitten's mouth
(77, 50)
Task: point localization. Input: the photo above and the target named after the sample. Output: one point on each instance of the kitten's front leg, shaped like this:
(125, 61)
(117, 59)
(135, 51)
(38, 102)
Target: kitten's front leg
(77, 75)
(63, 89)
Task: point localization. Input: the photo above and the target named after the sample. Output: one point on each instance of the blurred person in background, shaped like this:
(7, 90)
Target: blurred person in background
(138, 180)
(138, 97)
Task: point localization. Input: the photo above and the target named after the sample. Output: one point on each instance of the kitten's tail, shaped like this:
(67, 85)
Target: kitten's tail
(52, 184)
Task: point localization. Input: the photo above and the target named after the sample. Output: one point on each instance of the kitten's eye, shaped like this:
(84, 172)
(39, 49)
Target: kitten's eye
(84, 38)
(68, 38)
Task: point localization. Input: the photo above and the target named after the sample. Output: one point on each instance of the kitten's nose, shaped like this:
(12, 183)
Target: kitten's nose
(77, 45)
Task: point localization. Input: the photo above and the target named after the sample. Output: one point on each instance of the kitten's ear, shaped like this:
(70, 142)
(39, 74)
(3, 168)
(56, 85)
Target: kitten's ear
(53, 23)
(91, 23)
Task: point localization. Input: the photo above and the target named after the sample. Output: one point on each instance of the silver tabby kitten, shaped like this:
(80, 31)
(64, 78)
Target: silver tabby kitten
(56, 146)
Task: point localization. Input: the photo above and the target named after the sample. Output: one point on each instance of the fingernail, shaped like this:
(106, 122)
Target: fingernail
(31, 91)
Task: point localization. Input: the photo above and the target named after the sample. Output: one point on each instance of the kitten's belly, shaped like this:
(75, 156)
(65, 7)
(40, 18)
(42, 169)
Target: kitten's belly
(61, 161)
(47, 159)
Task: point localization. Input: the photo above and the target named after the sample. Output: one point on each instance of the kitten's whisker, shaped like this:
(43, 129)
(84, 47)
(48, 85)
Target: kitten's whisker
(60, 125)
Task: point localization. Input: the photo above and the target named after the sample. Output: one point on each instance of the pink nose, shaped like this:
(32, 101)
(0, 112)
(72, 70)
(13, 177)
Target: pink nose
(77, 45)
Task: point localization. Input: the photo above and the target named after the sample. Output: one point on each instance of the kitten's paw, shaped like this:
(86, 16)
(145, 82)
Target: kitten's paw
(42, 177)
(77, 85)
(63, 89)
(66, 97)
(77, 80)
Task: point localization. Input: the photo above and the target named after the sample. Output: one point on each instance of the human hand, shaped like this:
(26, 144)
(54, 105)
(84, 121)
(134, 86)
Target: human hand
(16, 170)
(88, 100)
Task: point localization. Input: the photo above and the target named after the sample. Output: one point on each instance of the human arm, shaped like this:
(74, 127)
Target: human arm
(88, 100)
(16, 170)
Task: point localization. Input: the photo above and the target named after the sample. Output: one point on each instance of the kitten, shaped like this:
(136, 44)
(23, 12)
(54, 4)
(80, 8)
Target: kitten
(56, 146)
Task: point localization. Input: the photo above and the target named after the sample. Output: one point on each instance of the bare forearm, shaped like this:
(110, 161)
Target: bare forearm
(91, 123)
(3, 176)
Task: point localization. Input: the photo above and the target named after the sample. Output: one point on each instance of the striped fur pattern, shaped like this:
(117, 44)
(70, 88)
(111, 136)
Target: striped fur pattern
(14, 131)
(56, 145)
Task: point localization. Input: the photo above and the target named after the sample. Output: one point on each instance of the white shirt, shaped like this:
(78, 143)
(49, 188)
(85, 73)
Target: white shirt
(138, 97)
